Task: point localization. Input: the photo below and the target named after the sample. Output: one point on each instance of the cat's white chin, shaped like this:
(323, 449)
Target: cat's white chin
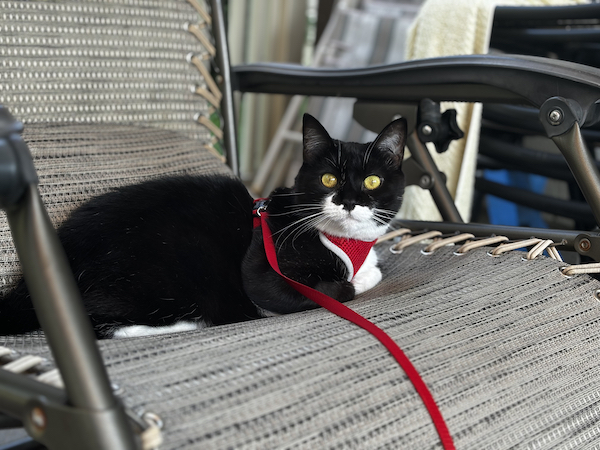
(356, 224)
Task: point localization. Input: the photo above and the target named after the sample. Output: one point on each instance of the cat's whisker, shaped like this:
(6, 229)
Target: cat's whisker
(294, 224)
(382, 217)
(386, 219)
(310, 205)
(307, 226)
(385, 211)
(332, 162)
(297, 222)
(382, 222)
(287, 213)
(287, 194)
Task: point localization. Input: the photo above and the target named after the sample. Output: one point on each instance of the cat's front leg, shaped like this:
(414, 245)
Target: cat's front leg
(368, 275)
(342, 291)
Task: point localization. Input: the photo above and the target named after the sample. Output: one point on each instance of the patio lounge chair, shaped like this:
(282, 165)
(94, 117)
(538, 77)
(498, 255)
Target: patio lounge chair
(507, 345)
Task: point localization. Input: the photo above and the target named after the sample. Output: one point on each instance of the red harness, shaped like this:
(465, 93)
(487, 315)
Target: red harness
(332, 305)
(352, 252)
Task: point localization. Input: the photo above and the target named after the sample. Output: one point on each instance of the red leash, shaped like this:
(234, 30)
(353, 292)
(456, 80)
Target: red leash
(343, 311)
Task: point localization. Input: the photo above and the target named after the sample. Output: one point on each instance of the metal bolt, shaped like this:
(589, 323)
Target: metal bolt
(38, 418)
(585, 245)
(425, 181)
(555, 117)
(426, 130)
(597, 294)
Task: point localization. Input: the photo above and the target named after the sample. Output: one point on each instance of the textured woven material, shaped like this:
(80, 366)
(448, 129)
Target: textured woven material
(120, 61)
(508, 348)
(90, 67)
(75, 162)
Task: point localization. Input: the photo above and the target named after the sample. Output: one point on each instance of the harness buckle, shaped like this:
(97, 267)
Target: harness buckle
(260, 205)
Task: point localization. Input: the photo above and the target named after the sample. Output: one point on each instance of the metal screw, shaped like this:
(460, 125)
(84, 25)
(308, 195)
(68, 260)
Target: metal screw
(425, 181)
(585, 245)
(38, 418)
(426, 130)
(555, 117)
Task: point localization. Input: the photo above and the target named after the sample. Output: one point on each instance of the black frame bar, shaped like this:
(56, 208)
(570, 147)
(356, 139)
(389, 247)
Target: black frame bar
(88, 398)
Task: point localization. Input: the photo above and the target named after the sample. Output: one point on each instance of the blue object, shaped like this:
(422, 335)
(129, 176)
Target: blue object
(503, 212)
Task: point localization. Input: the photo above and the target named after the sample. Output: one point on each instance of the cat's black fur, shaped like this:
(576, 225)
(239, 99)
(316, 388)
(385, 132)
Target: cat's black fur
(183, 248)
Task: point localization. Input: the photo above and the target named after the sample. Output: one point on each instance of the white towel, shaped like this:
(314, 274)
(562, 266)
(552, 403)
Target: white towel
(457, 27)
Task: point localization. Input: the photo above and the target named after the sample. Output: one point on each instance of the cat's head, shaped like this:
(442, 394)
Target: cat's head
(359, 186)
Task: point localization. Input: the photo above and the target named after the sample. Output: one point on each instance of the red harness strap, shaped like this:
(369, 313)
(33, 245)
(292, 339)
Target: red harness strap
(343, 311)
(351, 251)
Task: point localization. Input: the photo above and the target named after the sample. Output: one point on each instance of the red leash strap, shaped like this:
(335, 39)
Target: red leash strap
(343, 311)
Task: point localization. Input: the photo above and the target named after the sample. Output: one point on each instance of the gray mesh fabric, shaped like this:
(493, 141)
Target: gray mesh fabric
(77, 161)
(77, 72)
(120, 61)
(508, 348)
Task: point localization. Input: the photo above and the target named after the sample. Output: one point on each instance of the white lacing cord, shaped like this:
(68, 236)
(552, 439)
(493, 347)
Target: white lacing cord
(448, 241)
(503, 248)
(478, 243)
(538, 247)
(150, 424)
(393, 234)
(33, 364)
(471, 243)
(549, 246)
(152, 436)
(205, 16)
(578, 269)
(406, 241)
(209, 90)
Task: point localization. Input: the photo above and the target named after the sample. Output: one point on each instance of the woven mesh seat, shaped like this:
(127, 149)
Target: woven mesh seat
(507, 347)
(106, 93)
(75, 162)
(102, 62)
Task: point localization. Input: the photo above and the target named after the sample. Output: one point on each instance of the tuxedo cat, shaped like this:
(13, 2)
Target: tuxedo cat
(179, 253)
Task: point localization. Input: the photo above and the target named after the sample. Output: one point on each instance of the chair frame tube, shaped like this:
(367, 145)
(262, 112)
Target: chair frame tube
(55, 296)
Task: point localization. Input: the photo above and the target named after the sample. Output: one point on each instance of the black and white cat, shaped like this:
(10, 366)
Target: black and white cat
(180, 253)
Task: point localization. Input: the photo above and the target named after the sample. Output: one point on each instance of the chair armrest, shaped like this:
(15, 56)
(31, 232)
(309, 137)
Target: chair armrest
(481, 78)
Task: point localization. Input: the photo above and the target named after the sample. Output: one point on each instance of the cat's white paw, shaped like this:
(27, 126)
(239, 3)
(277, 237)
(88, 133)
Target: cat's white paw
(368, 275)
(145, 330)
(365, 280)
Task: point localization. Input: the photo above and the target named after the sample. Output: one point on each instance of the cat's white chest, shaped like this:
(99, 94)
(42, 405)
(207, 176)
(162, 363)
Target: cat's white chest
(368, 275)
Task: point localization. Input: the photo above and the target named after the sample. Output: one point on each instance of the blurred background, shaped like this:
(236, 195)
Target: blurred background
(354, 33)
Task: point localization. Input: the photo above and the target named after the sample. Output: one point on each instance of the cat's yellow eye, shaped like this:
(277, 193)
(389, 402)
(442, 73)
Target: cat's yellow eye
(372, 182)
(329, 180)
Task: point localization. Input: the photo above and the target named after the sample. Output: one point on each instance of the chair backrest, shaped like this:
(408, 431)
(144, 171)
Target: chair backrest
(105, 62)
(111, 93)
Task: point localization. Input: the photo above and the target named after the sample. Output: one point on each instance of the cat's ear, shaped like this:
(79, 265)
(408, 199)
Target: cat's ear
(315, 138)
(393, 139)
